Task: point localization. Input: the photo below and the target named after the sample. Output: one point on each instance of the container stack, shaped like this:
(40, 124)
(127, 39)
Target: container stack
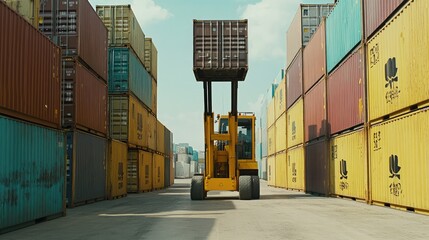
(280, 134)
(84, 94)
(32, 166)
(186, 160)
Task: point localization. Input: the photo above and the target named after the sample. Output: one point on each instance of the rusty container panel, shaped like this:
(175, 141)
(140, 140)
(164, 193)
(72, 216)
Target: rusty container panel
(139, 171)
(315, 123)
(280, 134)
(296, 168)
(315, 58)
(158, 171)
(272, 140)
(294, 80)
(399, 165)
(117, 169)
(295, 124)
(160, 143)
(84, 99)
(29, 72)
(271, 168)
(151, 58)
(349, 165)
(378, 12)
(281, 171)
(74, 33)
(154, 97)
(271, 118)
(317, 167)
(345, 90)
(220, 50)
(280, 99)
(397, 63)
(151, 134)
(28, 9)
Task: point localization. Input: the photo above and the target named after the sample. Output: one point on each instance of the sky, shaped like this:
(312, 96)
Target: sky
(170, 24)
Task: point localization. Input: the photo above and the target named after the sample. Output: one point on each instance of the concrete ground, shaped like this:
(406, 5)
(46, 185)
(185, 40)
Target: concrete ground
(279, 214)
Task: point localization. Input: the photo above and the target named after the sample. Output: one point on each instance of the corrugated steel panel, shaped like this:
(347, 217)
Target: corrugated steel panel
(117, 169)
(317, 173)
(32, 170)
(84, 98)
(182, 170)
(29, 72)
(295, 168)
(263, 167)
(295, 124)
(127, 73)
(281, 171)
(86, 168)
(397, 68)
(151, 58)
(166, 172)
(272, 140)
(280, 134)
(151, 134)
(73, 33)
(315, 123)
(220, 50)
(294, 80)
(349, 165)
(172, 170)
(29, 9)
(123, 28)
(271, 165)
(303, 26)
(271, 118)
(280, 99)
(399, 166)
(343, 31)
(154, 107)
(139, 171)
(158, 171)
(315, 58)
(167, 142)
(377, 12)
(160, 147)
(346, 91)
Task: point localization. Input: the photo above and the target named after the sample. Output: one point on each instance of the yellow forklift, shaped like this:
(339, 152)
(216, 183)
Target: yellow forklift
(220, 55)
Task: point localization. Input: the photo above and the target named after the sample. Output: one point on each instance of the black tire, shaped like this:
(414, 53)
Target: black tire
(255, 188)
(197, 188)
(245, 187)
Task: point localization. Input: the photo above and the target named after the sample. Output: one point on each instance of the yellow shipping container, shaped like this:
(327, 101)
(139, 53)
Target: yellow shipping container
(151, 126)
(295, 168)
(281, 170)
(28, 9)
(116, 169)
(139, 171)
(280, 134)
(158, 171)
(280, 99)
(154, 97)
(271, 168)
(171, 170)
(349, 165)
(160, 144)
(399, 166)
(397, 61)
(272, 140)
(295, 124)
(151, 57)
(271, 113)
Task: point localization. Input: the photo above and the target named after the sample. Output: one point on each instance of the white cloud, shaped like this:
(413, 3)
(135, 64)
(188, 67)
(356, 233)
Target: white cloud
(148, 12)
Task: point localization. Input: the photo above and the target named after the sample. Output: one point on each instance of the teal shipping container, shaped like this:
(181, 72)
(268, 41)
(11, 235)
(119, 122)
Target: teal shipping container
(343, 31)
(32, 173)
(195, 156)
(127, 74)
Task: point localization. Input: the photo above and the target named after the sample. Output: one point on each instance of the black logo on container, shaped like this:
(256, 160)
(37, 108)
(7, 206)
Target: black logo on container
(343, 169)
(293, 130)
(293, 172)
(394, 167)
(391, 76)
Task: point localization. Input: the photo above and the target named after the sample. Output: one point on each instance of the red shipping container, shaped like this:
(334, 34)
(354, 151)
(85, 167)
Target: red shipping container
(79, 32)
(294, 80)
(84, 99)
(377, 12)
(315, 123)
(29, 72)
(317, 167)
(346, 94)
(315, 58)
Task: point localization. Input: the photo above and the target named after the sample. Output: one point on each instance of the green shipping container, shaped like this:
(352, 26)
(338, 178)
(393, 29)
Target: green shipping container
(343, 31)
(127, 74)
(32, 173)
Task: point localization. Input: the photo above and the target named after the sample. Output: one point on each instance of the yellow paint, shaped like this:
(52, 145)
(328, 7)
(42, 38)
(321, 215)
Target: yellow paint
(247, 164)
(295, 124)
(271, 170)
(145, 171)
(280, 134)
(348, 165)
(158, 171)
(404, 43)
(116, 169)
(271, 140)
(295, 168)
(399, 166)
(151, 125)
(220, 184)
(281, 180)
(271, 113)
(280, 99)
(160, 137)
(28, 9)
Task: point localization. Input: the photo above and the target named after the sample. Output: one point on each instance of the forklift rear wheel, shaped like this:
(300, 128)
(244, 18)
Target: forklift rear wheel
(197, 188)
(245, 187)
(255, 187)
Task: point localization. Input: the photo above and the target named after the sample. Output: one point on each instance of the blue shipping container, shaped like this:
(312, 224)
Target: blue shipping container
(343, 31)
(127, 73)
(32, 173)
